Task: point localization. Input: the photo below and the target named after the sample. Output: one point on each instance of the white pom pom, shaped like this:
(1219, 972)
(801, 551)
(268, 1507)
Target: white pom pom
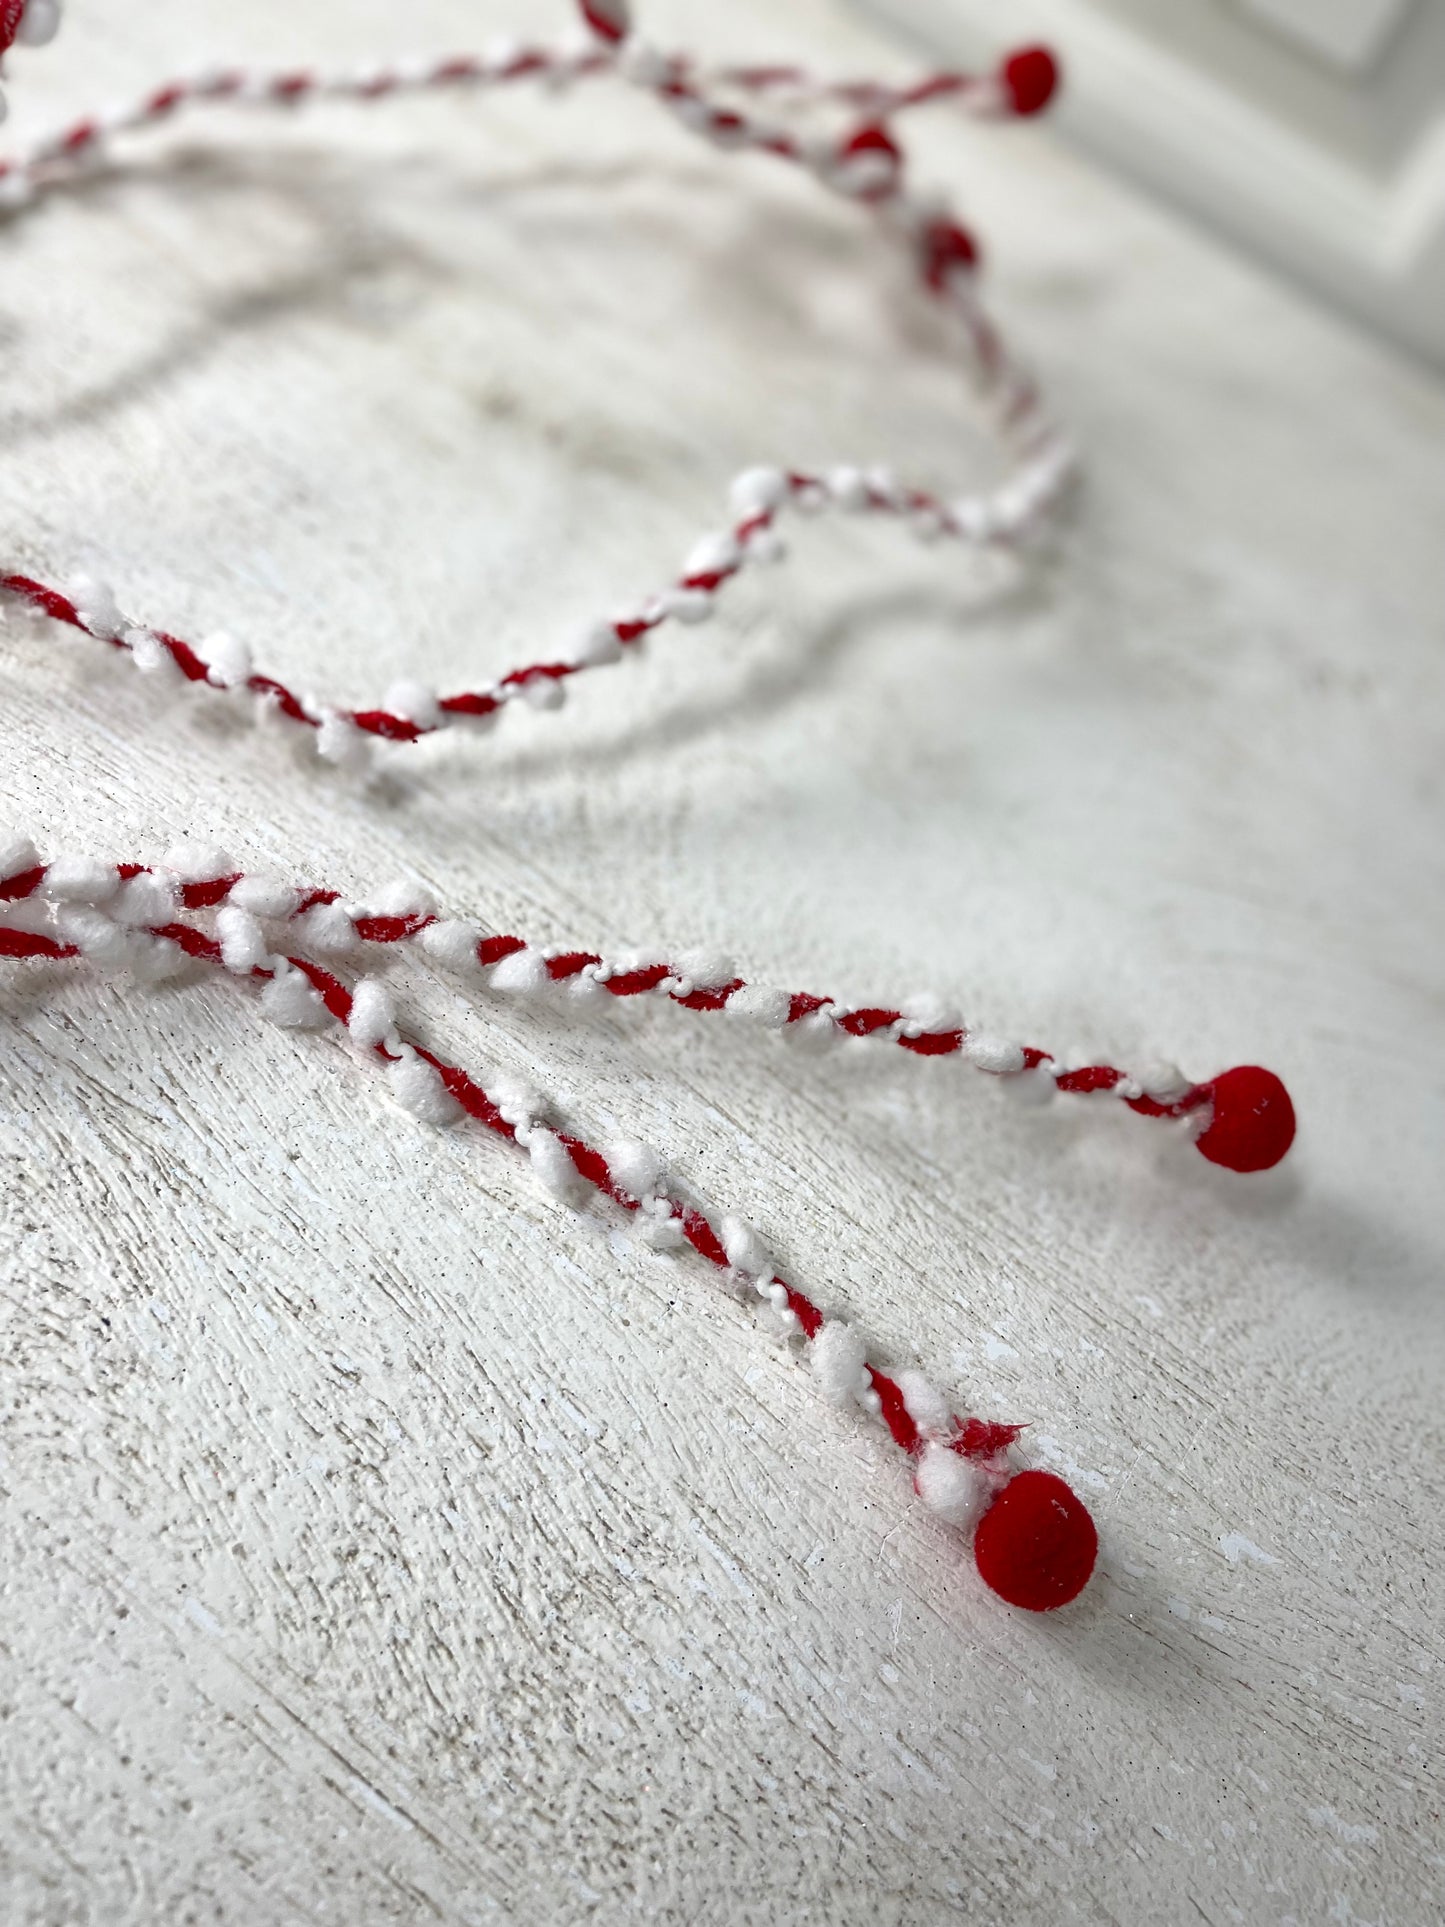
(1164, 1082)
(524, 971)
(328, 927)
(596, 646)
(995, 1054)
(79, 879)
(418, 1088)
(17, 854)
(950, 1484)
(403, 898)
(760, 1005)
(848, 487)
(39, 23)
(838, 1356)
(757, 490)
(552, 1165)
(145, 899)
(415, 701)
(926, 1406)
(291, 1001)
(688, 606)
(98, 939)
(97, 608)
(195, 862)
(242, 940)
(227, 660)
(746, 1252)
(372, 1013)
(151, 656)
(264, 897)
(706, 969)
(517, 1101)
(717, 554)
(339, 741)
(544, 692)
(452, 943)
(926, 1012)
(635, 1167)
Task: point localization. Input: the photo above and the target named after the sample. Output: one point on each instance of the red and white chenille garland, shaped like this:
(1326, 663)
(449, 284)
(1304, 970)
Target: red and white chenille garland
(1034, 1541)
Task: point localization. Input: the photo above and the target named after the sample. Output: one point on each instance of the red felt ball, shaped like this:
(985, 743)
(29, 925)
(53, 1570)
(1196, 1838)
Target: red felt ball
(1030, 76)
(1036, 1544)
(1253, 1123)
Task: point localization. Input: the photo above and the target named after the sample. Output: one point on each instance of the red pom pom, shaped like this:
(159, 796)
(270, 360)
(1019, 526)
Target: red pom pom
(10, 12)
(1253, 1123)
(1036, 1544)
(1030, 77)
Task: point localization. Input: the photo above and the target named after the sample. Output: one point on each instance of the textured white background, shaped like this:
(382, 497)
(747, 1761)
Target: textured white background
(382, 1543)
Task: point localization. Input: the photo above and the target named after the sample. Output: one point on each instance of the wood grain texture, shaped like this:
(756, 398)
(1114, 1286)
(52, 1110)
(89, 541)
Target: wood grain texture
(384, 1544)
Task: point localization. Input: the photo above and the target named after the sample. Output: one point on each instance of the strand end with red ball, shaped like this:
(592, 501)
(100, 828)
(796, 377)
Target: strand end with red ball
(1037, 1544)
(1252, 1124)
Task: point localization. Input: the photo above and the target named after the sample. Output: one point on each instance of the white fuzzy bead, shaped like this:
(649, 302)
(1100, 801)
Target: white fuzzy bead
(746, 1251)
(521, 973)
(552, 1165)
(1164, 1082)
(17, 189)
(544, 692)
(636, 1167)
(339, 741)
(403, 898)
(663, 1234)
(98, 939)
(415, 701)
(151, 656)
(242, 940)
(264, 896)
(143, 900)
(838, 1356)
(596, 646)
(688, 606)
(197, 862)
(227, 660)
(716, 554)
(518, 1101)
(97, 608)
(758, 490)
(848, 487)
(372, 1013)
(706, 969)
(17, 854)
(328, 927)
(291, 1001)
(925, 1405)
(994, 1054)
(418, 1088)
(79, 879)
(452, 943)
(950, 1484)
(761, 1005)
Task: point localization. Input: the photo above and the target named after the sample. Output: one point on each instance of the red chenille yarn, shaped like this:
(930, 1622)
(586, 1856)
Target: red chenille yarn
(10, 13)
(1253, 1123)
(1036, 1545)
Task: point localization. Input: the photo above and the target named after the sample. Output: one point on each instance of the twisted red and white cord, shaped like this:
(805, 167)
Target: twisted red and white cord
(1242, 1118)
(1034, 1541)
(865, 164)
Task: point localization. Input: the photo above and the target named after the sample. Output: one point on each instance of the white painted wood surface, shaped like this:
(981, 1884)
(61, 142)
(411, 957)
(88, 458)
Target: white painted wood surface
(382, 1544)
